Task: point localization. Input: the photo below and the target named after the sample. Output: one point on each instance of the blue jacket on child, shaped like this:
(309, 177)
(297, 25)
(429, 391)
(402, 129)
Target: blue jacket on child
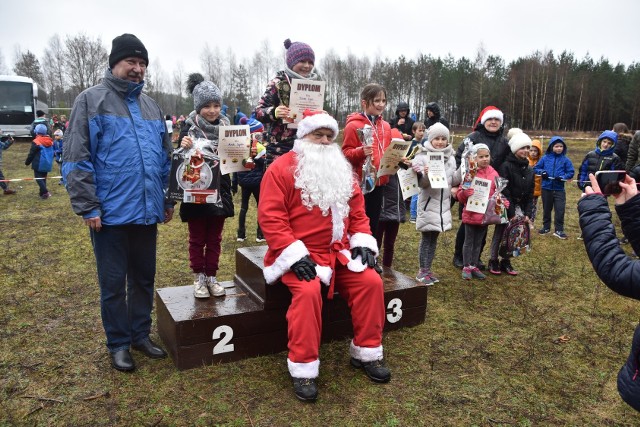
(558, 167)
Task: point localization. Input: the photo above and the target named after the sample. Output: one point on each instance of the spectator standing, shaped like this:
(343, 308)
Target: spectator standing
(58, 145)
(555, 168)
(534, 155)
(116, 163)
(434, 115)
(602, 158)
(623, 142)
(415, 147)
(403, 121)
(633, 155)
(616, 270)
(40, 158)
(5, 142)
(41, 118)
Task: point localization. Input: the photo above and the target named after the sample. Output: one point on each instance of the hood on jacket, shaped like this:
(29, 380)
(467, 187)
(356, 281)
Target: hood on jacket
(536, 143)
(435, 109)
(402, 106)
(553, 141)
(43, 140)
(610, 135)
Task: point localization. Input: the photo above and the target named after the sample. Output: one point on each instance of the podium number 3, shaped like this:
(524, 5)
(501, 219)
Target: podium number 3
(395, 305)
(226, 333)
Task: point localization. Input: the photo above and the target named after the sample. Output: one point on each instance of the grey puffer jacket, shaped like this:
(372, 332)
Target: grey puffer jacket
(434, 204)
(616, 270)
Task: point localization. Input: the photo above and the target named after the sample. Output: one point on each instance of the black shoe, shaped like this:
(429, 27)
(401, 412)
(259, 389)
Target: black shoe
(481, 266)
(375, 370)
(494, 266)
(122, 361)
(150, 349)
(305, 389)
(457, 261)
(505, 265)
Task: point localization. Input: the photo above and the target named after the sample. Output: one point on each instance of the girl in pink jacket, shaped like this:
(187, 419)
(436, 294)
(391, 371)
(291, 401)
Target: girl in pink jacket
(472, 221)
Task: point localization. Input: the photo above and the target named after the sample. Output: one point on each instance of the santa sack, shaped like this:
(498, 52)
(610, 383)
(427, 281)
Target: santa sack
(516, 238)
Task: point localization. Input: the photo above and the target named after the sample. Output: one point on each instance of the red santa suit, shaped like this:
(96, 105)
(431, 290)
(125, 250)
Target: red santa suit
(292, 231)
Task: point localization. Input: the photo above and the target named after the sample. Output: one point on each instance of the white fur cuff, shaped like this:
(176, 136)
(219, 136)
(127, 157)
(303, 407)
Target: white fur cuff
(365, 354)
(364, 240)
(304, 370)
(289, 256)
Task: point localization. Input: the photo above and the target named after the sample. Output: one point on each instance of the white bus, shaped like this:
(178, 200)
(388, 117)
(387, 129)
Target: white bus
(18, 104)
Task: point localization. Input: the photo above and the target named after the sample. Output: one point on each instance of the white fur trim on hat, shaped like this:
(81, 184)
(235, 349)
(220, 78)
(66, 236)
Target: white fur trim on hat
(518, 141)
(304, 370)
(289, 256)
(317, 121)
(365, 354)
(437, 129)
(492, 113)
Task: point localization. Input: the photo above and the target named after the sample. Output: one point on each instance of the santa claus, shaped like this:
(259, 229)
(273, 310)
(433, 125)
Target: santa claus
(311, 212)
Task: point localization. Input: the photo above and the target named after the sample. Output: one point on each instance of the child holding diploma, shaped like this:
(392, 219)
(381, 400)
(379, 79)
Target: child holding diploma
(434, 205)
(472, 220)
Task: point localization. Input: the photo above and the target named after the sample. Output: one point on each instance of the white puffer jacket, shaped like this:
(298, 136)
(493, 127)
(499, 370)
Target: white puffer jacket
(434, 204)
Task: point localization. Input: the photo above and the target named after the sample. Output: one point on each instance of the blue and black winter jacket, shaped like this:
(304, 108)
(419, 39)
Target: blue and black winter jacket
(116, 156)
(600, 160)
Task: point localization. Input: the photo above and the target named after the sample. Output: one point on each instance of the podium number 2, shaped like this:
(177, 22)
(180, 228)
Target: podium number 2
(395, 305)
(226, 333)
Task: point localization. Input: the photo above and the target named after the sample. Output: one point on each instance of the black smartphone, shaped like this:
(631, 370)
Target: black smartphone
(609, 181)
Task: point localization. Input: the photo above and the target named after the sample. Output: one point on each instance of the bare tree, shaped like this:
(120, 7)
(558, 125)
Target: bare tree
(3, 67)
(85, 61)
(53, 67)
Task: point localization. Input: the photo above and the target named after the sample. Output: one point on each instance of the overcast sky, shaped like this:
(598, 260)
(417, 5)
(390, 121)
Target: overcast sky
(176, 31)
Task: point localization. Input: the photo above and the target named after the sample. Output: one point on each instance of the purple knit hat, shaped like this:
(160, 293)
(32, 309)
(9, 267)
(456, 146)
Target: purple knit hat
(298, 52)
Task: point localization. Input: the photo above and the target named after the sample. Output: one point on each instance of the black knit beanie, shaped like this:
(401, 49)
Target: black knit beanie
(125, 46)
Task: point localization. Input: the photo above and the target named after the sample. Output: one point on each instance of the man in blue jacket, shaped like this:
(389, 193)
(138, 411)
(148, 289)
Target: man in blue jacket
(116, 163)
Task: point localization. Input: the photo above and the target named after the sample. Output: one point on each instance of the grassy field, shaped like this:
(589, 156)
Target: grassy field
(488, 354)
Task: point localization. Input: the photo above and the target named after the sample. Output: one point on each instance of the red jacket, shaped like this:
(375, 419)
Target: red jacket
(475, 218)
(381, 140)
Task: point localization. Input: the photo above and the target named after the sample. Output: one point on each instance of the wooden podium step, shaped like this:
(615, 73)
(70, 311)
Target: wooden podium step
(251, 319)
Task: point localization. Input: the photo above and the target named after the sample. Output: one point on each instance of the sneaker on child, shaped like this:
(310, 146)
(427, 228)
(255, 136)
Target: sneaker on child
(200, 289)
(544, 231)
(477, 274)
(215, 288)
(494, 267)
(505, 265)
(466, 273)
(560, 235)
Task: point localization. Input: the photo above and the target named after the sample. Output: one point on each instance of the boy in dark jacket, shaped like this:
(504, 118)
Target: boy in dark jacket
(40, 158)
(616, 270)
(603, 158)
(403, 121)
(555, 168)
(250, 181)
(519, 193)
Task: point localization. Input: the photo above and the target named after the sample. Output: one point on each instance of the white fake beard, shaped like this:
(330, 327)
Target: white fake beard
(324, 177)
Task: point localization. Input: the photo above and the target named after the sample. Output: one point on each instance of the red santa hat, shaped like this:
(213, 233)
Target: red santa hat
(313, 120)
(489, 112)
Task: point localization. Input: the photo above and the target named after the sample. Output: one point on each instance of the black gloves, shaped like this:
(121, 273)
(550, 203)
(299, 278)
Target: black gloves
(559, 178)
(544, 175)
(367, 255)
(304, 268)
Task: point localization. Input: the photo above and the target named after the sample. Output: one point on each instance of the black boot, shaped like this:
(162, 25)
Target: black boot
(305, 389)
(376, 370)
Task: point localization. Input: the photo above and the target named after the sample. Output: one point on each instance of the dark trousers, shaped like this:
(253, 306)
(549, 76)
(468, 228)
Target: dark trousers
(246, 193)
(556, 201)
(42, 183)
(126, 263)
(386, 238)
(373, 207)
(460, 238)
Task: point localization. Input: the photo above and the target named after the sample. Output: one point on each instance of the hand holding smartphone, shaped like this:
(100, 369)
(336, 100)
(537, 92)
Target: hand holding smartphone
(609, 181)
